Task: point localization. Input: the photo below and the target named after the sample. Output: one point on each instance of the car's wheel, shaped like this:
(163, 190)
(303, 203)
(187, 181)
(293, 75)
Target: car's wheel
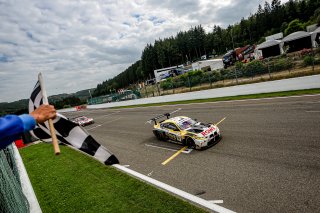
(159, 135)
(190, 143)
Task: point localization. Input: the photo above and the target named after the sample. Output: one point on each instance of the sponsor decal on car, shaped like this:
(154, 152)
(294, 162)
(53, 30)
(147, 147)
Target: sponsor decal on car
(208, 131)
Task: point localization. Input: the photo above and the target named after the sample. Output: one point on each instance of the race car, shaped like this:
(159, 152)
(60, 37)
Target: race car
(186, 131)
(82, 120)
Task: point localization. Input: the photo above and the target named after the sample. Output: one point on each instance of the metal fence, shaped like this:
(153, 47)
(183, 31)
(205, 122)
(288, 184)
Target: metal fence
(12, 198)
(305, 62)
(115, 97)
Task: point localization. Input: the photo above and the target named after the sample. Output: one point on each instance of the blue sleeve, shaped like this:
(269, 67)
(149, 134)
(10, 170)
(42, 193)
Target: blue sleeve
(28, 122)
(12, 126)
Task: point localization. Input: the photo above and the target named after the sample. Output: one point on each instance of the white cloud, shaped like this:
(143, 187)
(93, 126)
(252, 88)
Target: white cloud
(80, 43)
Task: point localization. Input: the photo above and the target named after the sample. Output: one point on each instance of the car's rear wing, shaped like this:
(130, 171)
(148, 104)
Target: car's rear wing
(167, 115)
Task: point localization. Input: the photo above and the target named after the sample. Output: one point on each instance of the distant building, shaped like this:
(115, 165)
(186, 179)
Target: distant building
(297, 41)
(275, 44)
(270, 48)
(277, 36)
(315, 37)
(311, 28)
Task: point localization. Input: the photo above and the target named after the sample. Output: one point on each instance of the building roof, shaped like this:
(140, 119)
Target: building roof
(295, 36)
(267, 44)
(316, 30)
(311, 28)
(276, 36)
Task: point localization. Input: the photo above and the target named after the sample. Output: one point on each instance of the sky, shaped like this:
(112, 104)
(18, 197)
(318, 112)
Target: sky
(77, 44)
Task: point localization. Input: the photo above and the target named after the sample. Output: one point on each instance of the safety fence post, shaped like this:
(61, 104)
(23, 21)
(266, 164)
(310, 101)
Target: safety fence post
(146, 91)
(268, 69)
(235, 71)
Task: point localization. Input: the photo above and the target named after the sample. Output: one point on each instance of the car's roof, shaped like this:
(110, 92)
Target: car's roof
(79, 117)
(177, 119)
(82, 116)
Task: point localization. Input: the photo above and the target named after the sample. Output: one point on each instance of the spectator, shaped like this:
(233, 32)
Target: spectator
(12, 126)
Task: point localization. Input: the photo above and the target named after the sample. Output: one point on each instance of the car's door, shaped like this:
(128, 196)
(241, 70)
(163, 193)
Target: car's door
(173, 132)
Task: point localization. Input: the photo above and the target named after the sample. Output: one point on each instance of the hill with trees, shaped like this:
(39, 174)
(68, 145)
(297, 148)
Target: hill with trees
(192, 44)
(59, 101)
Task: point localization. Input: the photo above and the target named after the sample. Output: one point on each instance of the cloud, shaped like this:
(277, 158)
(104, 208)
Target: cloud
(77, 44)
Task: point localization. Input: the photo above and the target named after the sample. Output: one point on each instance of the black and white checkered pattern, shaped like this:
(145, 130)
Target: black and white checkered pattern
(69, 132)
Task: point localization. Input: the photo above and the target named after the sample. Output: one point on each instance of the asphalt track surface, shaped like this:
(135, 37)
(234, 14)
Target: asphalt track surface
(267, 161)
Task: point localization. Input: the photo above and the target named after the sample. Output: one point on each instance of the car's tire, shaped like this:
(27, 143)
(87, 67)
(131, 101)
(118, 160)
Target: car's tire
(190, 143)
(159, 135)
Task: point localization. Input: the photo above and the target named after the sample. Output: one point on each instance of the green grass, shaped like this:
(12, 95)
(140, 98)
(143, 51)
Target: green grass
(74, 182)
(240, 97)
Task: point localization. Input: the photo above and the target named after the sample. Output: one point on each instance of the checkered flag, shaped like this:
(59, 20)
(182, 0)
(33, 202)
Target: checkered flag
(68, 132)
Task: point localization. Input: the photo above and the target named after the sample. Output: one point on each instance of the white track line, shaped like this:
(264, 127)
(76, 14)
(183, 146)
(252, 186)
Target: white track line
(216, 201)
(25, 182)
(178, 192)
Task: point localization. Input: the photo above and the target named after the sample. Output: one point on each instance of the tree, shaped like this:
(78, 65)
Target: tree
(312, 6)
(292, 12)
(149, 60)
(267, 15)
(316, 16)
(284, 26)
(189, 45)
(181, 43)
(260, 20)
(275, 5)
(159, 50)
(277, 14)
(293, 26)
(302, 11)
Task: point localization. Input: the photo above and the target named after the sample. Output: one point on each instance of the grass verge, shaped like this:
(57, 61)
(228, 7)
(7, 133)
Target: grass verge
(74, 182)
(240, 97)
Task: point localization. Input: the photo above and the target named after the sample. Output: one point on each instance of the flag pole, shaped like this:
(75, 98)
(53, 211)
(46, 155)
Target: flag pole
(51, 127)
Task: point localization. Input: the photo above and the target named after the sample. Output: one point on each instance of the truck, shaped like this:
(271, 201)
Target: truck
(164, 73)
(239, 54)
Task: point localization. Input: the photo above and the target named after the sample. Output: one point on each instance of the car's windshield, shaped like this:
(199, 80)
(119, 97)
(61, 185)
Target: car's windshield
(187, 123)
(80, 119)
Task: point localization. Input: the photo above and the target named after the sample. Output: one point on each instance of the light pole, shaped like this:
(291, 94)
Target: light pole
(232, 38)
(90, 96)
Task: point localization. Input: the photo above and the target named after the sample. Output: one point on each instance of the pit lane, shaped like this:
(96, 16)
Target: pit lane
(267, 161)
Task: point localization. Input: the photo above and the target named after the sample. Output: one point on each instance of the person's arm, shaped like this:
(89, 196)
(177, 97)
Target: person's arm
(12, 126)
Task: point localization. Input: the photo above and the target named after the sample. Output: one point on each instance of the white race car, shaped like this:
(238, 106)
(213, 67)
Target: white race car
(82, 120)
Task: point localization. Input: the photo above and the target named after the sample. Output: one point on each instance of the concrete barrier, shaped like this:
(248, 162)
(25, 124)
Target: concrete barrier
(307, 82)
